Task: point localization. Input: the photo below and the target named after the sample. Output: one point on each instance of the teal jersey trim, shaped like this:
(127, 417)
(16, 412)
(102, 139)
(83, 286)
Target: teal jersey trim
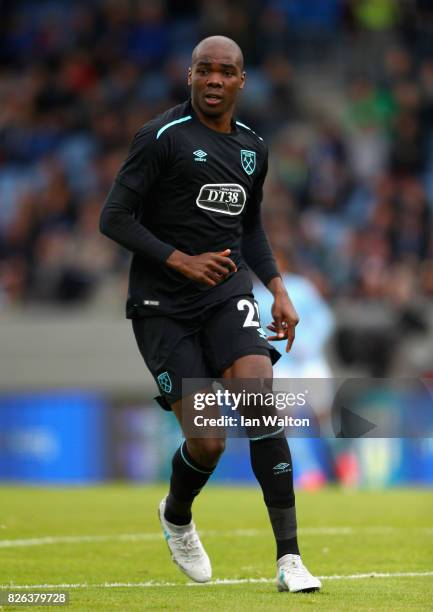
(248, 128)
(243, 125)
(269, 435)
(190, 465)
(167, 125)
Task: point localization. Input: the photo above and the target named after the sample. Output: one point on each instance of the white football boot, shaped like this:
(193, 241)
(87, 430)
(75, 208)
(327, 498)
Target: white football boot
(293, 576)
(186, 549)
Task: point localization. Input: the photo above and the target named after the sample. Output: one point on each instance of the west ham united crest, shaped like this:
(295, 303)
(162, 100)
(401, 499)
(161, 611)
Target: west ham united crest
(164, 382)
(248, 160)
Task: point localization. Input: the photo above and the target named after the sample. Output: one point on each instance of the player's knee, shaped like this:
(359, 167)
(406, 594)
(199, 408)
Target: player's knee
(207, 451)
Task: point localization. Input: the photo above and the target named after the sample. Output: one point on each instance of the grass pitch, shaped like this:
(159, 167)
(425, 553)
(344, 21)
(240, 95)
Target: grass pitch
(104, 543)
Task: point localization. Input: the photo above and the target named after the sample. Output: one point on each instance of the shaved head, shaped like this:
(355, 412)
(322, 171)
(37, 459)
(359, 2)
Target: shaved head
(227, 46)
(216, 77)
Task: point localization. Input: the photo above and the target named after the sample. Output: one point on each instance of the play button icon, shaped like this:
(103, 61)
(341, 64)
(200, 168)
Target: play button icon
(352, 425)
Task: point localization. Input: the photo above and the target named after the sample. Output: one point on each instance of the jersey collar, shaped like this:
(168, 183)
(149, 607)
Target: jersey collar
(235, 129)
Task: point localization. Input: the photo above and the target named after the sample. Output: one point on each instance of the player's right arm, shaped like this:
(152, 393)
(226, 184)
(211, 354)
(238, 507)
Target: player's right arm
(144, 165)
(207, 268)
(118, 222)
(146, 161)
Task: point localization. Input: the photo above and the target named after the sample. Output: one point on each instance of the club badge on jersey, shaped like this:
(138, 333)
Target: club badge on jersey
(248, 160)
(164, 382)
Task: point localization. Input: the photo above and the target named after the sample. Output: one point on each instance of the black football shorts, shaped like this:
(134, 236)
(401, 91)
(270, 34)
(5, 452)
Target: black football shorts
(202, 347)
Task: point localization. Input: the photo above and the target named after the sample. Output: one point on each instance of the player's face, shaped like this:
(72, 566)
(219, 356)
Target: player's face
(215, 79)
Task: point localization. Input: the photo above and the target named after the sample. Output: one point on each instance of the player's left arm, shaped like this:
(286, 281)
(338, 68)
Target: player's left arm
(284, 315)
(259, 257)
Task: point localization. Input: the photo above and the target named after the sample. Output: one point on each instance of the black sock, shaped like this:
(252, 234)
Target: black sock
(272, 465)
(283, 522)
(187, 479)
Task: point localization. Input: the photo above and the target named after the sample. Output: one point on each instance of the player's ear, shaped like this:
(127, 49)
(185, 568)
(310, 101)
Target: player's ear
(189, 75)
(243, 77)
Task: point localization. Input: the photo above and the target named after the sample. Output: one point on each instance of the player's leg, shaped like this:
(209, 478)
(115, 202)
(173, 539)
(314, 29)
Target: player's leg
(272, 465)
(192, 465)
(238, 347)
(266, 452)
(172, 351)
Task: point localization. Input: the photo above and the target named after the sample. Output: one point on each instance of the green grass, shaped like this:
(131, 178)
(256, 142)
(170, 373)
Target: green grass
(389, 532)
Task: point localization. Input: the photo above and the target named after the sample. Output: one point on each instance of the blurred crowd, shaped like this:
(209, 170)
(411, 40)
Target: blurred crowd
(341, 90)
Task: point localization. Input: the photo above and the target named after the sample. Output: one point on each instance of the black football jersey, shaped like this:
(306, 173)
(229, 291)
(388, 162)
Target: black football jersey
(199, 190)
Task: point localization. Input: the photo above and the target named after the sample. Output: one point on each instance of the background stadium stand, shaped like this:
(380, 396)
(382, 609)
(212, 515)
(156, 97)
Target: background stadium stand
(341, 90)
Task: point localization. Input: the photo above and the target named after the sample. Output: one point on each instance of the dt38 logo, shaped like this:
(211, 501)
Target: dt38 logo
(227, 198)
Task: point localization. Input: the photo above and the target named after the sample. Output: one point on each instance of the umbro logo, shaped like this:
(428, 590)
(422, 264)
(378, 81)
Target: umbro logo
(200, 155)
(281, 468)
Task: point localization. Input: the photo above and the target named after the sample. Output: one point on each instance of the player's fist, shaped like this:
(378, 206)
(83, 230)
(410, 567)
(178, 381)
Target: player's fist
(207, 268)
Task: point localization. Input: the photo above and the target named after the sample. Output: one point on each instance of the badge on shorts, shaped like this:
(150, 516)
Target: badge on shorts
(248, 160)
(164, 382)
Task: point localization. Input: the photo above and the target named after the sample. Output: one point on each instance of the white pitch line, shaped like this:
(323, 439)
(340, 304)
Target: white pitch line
(245, 533)
(216, 582)
(46, 540)
(122, 537)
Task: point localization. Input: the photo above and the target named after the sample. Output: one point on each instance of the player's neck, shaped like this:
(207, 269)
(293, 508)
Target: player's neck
(221, 124)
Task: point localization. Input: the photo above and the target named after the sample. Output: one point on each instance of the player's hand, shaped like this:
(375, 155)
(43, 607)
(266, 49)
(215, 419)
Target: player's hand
(207, 268)
(285, 319)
